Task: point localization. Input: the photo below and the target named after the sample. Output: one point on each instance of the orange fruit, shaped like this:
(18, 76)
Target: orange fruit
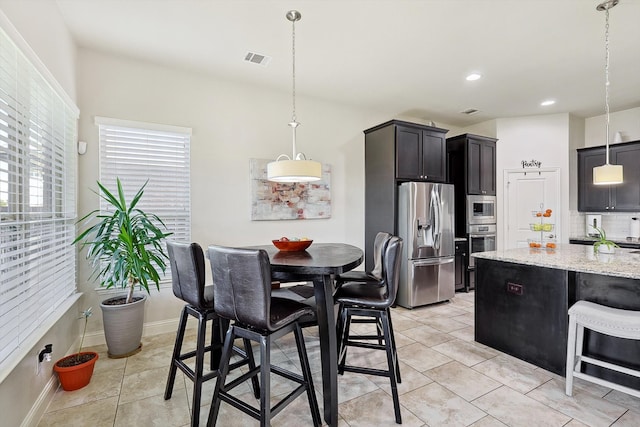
(548, 211)
(546, 214)
(538, 213)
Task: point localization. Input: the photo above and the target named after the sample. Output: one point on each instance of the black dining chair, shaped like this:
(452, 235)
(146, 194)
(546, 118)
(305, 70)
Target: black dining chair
(362, 299)
(188, 282)
(375, 275)
(242, 294)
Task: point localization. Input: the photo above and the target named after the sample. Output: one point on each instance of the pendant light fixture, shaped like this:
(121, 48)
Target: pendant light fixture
(295, 168)
(607, 174)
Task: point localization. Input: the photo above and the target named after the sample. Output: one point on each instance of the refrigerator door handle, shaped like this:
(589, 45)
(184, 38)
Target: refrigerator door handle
(436, 210)
(432, 261)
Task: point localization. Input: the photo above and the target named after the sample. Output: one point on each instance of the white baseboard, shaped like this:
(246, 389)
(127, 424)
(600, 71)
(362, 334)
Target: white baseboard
(40, 406)
(149, 329)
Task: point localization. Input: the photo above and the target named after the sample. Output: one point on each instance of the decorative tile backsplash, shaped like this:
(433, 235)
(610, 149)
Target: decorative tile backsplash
(617, 225)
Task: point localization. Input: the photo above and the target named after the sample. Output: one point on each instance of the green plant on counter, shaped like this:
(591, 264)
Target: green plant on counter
(602, 240)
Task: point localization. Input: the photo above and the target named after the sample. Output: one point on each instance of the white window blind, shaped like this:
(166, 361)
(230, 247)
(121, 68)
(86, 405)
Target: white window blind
(136, 152)
(38, 132)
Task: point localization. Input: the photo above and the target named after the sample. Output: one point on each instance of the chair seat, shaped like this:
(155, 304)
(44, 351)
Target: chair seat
(358, 293)
(304, 294)
(359, 276)
(607, 320)
(285, 311)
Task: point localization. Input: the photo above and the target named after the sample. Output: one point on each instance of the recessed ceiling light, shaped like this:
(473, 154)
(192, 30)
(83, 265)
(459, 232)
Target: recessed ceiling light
(548, 102)
(473, 76)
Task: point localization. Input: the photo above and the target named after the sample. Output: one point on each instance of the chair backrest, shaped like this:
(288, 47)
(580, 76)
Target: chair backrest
(391, 262)
(379, 246)
(187, 272)
(242, 285)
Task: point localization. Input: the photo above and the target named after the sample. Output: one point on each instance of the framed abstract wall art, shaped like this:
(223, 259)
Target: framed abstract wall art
(279, 200)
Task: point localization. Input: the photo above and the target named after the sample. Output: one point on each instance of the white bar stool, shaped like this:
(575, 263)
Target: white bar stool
(605, 320)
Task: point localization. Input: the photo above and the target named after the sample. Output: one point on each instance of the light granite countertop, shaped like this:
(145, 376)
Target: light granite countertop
(581, 258)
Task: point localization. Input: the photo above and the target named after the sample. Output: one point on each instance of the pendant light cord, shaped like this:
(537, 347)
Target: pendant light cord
(606, 74)
(293, 80)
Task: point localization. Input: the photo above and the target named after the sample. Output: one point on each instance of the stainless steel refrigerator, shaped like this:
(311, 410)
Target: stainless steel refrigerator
(426, 224)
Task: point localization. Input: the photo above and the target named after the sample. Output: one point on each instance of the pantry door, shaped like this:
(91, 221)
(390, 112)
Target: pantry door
(527, 192)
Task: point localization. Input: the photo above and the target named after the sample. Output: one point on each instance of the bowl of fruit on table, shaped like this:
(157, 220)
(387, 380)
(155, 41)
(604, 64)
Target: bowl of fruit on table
(292, 244)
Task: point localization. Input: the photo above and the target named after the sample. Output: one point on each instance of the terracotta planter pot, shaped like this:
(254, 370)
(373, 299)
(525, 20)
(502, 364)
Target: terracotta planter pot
(75, 376)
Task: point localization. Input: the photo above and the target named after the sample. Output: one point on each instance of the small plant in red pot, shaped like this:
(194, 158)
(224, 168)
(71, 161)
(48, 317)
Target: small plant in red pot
(75, 371)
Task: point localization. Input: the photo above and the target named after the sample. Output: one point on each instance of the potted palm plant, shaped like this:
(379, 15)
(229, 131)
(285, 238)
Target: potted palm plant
(75, 370)
(125, 250)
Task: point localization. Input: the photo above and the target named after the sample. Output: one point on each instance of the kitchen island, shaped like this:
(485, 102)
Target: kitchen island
(523, 295)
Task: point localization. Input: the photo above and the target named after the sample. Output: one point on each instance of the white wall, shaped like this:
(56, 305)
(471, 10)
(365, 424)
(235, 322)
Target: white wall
(488, 128)
(627, 122)
(23, 390)
(544, 138)
(576, 140)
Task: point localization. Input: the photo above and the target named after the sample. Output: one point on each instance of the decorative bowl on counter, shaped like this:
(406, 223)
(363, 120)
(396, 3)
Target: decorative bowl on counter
(292, 245)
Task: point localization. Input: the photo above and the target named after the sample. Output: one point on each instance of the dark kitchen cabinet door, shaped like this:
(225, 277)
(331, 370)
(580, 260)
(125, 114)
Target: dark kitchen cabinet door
(481, 174)
(408, 153)
(434, 156)
(420, 154)
(625, 197)
(461, 266)
(591, 198)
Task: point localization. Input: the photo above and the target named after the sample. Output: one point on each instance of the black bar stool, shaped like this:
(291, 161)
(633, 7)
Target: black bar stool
(242, 289)
(375, 276)
(373, 301)
(188, 282)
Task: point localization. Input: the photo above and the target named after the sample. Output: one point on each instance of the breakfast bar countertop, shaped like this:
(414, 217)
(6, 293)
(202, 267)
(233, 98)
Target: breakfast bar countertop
(581, 258)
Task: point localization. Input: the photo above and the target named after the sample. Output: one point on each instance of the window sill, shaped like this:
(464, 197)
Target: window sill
(25, 349)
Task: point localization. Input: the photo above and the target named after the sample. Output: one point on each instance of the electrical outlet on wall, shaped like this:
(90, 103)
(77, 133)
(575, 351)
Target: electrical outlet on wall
(43, 356)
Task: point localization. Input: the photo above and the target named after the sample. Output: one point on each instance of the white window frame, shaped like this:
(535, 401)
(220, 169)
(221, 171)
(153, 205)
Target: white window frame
(137, 152)
(38, 169)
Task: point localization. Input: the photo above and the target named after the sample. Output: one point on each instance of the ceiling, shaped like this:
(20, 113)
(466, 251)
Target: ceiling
(408, 57)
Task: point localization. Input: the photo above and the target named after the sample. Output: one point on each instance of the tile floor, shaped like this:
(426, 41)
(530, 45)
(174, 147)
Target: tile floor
(447, 380)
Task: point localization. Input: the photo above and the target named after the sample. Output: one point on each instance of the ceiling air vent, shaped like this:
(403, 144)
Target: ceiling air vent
(469, 111)
(257, 58)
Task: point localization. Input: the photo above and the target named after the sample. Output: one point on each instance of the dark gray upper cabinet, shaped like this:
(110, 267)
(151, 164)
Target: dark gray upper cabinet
(623, 197)
(394, 152)
(420, 153)
(472, 163)
(591, 198)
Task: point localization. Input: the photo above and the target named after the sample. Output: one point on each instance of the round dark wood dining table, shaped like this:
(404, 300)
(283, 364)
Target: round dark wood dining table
(319, 263)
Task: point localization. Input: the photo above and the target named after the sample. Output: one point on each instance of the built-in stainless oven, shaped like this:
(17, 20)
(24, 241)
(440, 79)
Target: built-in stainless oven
(481, 210)
(481, 238)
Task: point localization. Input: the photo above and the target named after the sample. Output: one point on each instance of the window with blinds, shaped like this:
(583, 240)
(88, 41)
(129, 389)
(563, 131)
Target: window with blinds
(139, 152)
(38, 132)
